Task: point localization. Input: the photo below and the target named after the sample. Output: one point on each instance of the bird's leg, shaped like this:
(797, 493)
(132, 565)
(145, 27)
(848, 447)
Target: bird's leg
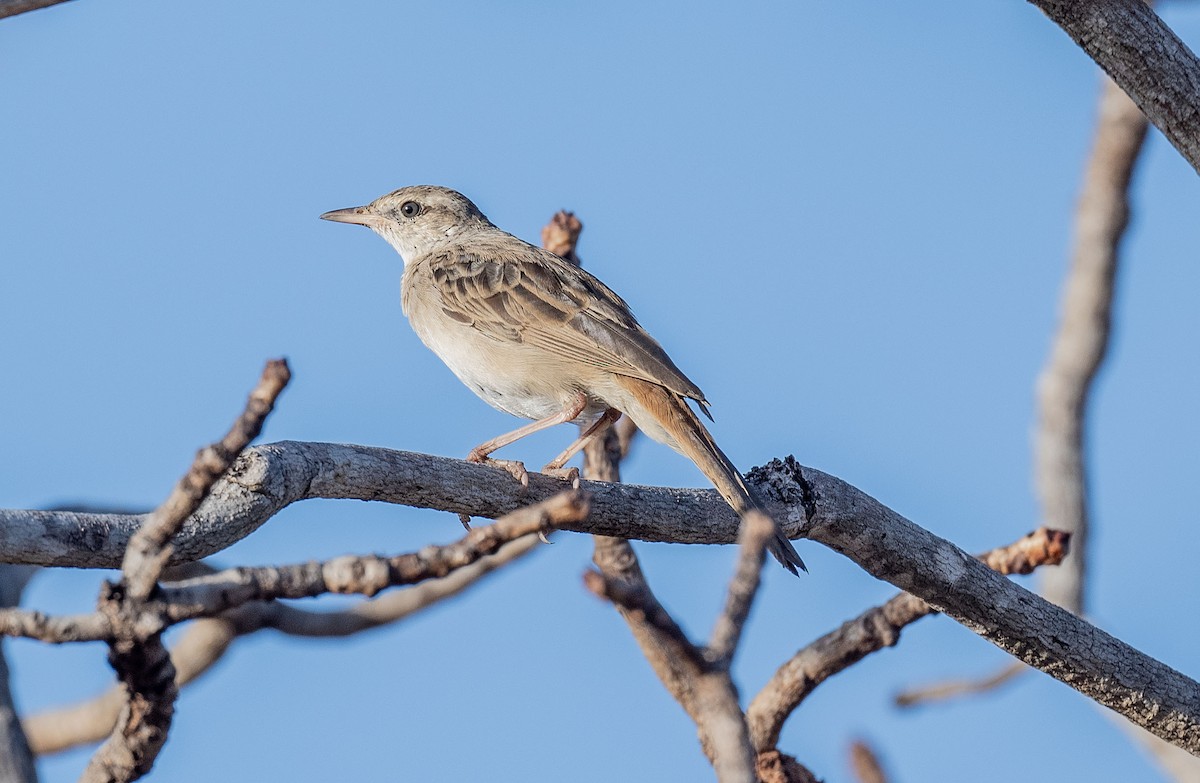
(517, 469)
(555, 466)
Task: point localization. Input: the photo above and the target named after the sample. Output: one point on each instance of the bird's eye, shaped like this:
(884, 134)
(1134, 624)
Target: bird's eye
(410, 209)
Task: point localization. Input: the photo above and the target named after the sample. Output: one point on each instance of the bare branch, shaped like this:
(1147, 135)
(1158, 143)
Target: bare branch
(55, 630)
(1175, 763)
(805, 501)
(871, 631)
(1083, 335)
(708, 694)
(1150, 63)
(775, 767)
(205, 640)
(208, 595)
(14, 7)
(149, 549)
(136, 650)
(866, 764)
(952, 689)
(213, 593)
(641, 603)
(757, 530)
(561, 235)
(16, 760)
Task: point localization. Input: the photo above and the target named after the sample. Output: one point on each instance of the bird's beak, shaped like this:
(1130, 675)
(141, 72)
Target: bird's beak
(358, 215)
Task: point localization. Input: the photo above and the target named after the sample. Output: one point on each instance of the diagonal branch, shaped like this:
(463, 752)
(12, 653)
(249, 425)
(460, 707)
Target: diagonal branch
(1144, 57)
(874, 630)
(149, 549)
(14, 7)
(136, 650)
(698, 679)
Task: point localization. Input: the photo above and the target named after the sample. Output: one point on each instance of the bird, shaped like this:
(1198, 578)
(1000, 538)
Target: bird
(540, 338)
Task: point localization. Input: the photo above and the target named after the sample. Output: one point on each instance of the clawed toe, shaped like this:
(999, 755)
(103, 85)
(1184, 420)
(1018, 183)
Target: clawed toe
(566, 474)
(515, 468)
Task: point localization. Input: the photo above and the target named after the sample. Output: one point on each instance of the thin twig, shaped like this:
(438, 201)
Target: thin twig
(136, 650)
(953, 689)
(206, 596)
(214, 593)
(757, 530)
(865, 763)
(150, 550)
(206, 640)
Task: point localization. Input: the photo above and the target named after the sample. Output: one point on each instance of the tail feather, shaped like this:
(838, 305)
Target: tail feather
(676, 424)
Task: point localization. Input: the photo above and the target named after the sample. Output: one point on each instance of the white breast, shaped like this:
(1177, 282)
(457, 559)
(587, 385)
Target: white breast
(512, 377)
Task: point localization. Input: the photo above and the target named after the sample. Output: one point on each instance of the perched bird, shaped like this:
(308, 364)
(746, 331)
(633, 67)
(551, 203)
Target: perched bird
(538, 337)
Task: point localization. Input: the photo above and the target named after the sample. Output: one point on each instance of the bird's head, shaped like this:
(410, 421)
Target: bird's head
(417, 219)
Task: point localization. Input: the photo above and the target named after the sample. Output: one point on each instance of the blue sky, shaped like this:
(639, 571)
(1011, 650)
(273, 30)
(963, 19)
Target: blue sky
(847, 222)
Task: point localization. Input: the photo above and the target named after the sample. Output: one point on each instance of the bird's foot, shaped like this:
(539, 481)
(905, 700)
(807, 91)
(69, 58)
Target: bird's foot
(515, 468)
(566, 474)
(466, 520)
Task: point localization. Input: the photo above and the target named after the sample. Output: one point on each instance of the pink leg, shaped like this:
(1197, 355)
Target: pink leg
(480, 453)
(606, 418)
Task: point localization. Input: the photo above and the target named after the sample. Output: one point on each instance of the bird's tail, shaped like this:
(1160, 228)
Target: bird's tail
(673, 417)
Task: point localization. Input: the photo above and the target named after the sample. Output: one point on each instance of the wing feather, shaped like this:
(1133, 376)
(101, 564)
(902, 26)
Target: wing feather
(554, 306)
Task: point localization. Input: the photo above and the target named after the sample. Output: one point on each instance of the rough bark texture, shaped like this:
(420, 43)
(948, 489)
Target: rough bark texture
(873, 630)
(14, 7)
(804, 501)
(1136, 48)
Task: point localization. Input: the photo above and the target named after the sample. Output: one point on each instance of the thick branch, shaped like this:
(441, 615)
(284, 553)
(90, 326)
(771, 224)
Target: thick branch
(14, 7)
(803, 500)
(1136, 48)
(874, 630)
(712, 700)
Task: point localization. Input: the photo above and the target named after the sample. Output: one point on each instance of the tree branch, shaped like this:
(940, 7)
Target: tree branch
(1151, 64)
(14, 7)
(871, 631)
(136, 650)
(1082, 340)
(805, 501)
(16, 760)
(206, 640)
(757, 529)
(208, 595)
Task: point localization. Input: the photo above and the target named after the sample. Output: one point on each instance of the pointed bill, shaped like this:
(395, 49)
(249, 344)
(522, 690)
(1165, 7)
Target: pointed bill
(357, 215)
